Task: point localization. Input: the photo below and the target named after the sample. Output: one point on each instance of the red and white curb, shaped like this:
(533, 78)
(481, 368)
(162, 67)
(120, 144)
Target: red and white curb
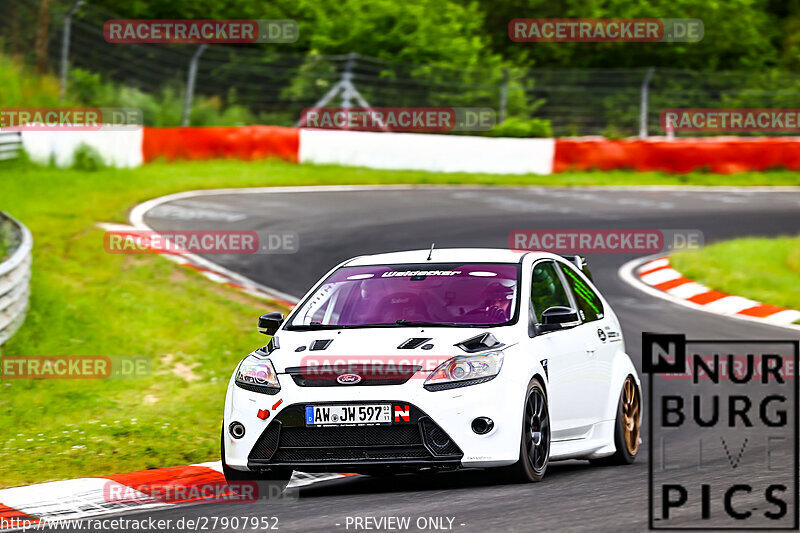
(89, 497)
(657, 277)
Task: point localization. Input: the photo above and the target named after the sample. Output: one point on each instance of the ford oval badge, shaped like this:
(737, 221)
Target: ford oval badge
(348, 379)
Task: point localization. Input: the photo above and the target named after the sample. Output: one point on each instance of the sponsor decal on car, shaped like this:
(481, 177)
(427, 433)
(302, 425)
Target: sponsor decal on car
(402, 413)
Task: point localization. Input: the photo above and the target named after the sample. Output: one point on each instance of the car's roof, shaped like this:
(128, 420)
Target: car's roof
(445, 255)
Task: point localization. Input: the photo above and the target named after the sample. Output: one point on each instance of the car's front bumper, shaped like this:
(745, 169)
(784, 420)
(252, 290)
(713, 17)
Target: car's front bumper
(414, 443)
(438, 433)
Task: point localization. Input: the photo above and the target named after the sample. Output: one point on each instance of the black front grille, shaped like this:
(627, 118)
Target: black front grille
(305, 376)
(304, 437)
(267, 443)
(341, 455)
(288, 441)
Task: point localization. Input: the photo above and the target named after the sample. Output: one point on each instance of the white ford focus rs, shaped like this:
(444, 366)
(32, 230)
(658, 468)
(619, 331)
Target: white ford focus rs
(428, 360)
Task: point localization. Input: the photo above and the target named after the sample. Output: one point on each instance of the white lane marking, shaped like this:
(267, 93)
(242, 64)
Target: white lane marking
(731, 304)
(658, 263)
(687, 290)
(661, 276)
(213, 465)
(90, 497)
(180, 212)
(74, 498)
(299, 479)
(784, 317)
(627, 273)
(302, 479)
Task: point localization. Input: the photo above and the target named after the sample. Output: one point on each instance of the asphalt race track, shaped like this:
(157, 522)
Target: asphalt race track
(335, 225)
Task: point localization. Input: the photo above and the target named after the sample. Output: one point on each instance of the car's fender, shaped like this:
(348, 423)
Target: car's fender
(621, 368)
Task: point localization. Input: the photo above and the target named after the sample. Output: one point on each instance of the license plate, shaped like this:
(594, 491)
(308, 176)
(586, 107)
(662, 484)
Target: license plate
(348, 415)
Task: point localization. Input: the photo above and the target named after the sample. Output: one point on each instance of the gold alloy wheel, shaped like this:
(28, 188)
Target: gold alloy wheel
(631, 415)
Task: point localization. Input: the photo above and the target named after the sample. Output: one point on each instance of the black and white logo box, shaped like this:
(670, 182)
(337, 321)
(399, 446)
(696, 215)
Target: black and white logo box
(723, 433)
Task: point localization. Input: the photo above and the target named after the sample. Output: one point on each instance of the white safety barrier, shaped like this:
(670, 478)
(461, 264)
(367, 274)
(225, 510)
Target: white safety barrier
(10, 144)
(15, 276)
(118, 148)
(420, 151)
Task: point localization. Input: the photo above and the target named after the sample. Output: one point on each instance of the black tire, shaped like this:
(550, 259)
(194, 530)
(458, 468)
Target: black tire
(270, 483)
(534, 438)
(627, 427)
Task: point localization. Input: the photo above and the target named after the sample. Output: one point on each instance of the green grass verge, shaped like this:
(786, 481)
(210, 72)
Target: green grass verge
(766, 270)
(87, 302)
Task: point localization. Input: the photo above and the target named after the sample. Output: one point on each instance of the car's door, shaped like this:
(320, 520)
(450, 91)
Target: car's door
(597, 331)
(568, 366)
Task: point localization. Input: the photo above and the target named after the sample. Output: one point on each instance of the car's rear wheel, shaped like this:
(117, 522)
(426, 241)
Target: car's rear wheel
(627, 428)
(535, 438)
(270, 483)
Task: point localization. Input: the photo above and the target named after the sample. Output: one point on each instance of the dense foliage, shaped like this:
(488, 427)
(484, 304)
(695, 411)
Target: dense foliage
(739, 34)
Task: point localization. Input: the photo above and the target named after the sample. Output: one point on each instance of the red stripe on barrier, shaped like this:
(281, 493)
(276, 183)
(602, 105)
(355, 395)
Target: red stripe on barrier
(762, 310)
(656, 269)
(671, 284)
(721, 155)
(175, 484)
(243, 142)
(707, 297)
(10, 517)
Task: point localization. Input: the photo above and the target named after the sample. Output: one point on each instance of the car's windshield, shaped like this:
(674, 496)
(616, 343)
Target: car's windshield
(413, 294)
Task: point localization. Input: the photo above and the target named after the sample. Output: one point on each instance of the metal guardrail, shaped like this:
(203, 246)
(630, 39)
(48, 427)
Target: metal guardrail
(10, 144)
(15, 276)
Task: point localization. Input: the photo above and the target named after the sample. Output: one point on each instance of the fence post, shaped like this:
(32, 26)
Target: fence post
(187, 103)
(62, 86)
(347, 78)
(503, 97)
(643, 104)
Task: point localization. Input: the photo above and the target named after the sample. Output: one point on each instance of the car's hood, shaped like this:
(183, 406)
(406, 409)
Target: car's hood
(376, 344)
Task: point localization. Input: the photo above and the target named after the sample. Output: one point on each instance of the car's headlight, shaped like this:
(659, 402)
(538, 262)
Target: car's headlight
(257, 375)
(465, 370)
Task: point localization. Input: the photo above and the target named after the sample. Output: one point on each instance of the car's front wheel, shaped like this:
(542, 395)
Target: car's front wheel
(270, 484)
(535, 438)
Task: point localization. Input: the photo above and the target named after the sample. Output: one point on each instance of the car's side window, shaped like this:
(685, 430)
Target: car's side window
(547, 289)
(589, 305)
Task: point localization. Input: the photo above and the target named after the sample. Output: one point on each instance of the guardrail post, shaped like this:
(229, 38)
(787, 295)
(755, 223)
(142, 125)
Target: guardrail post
(187, 103)
(62, 86)
(644, 101)
(501, 115)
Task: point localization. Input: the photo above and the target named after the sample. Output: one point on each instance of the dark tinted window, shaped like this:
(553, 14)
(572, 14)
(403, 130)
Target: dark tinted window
(547, 289)
(589, 306)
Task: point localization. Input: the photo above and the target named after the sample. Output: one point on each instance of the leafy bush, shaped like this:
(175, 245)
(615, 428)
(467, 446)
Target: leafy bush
(22, 88)
(520, 127)
(87, 159)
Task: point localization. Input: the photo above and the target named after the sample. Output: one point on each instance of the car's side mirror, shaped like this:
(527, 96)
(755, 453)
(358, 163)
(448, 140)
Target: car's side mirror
(269, 323)
(557, 317)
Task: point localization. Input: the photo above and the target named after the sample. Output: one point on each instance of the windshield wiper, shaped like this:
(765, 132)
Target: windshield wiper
(403, 322)
(313, 326)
